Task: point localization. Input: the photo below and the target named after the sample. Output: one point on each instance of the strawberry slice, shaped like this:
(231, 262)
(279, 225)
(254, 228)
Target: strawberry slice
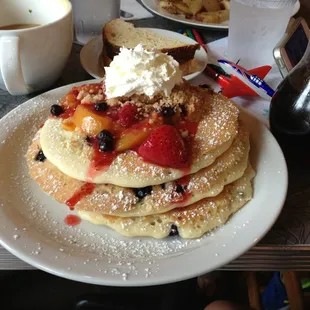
(165, 147)
(127, 114)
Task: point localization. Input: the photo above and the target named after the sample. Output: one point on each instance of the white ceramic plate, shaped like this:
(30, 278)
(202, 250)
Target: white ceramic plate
(153, 6)
(32, 224)
(91, 51)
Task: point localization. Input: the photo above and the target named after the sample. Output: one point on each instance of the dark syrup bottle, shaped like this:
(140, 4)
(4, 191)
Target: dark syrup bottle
(290, 106)
(290, 125)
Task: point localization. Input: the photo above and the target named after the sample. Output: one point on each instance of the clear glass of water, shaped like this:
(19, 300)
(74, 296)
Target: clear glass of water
(90, 16)
(255, 27)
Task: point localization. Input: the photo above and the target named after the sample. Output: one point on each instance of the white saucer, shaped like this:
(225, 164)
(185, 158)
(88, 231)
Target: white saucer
(32, 223)
(91, 51)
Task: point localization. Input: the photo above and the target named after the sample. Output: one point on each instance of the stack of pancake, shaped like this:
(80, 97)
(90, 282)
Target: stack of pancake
(138, 198)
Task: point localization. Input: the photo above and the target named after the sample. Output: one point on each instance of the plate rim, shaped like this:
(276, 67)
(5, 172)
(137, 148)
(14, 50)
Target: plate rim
(189, 77)
(37, 261)
(151, 6)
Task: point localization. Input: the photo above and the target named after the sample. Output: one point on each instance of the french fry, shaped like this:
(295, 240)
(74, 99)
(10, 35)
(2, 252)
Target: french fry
(176, 7)
(213, 17)
(195, 6)
(169, 7)
(183, 8)
(211, 5)
(225, 4)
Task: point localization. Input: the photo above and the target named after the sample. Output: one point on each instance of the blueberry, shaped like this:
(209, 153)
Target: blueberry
(167, 111)
(174, 230)
(101, 106)
(56, 110)
(180, 189)
(40, 156)
(105, 141)
(142, 192)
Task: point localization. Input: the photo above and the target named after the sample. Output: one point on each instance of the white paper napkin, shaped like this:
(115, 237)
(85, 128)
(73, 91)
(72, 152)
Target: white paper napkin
(256, 105)
(136, 9)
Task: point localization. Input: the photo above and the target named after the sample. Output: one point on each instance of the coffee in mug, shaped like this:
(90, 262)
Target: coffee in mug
(18, 26)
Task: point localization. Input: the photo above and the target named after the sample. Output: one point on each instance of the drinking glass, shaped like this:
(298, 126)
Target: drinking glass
(90, 16)
(255, 27)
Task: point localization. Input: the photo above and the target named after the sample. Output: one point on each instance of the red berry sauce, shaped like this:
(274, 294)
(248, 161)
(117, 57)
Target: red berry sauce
(85, 190)
(186, 194)
(72, 220)
(125, 118)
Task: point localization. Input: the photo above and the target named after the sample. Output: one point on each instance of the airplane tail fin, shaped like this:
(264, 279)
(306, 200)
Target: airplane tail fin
(260, 71)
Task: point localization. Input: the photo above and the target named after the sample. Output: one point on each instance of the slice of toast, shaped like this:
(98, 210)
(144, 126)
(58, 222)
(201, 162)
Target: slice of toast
(118, 33)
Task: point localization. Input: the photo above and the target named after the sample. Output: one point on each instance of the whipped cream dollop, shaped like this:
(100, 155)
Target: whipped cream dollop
(138, 71)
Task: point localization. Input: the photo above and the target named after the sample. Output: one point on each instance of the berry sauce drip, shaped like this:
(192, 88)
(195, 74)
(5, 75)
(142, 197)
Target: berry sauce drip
(185, 197)
(100, 160)
(191, 128)
(85, 190)
(72, 220)
(184, 180)
(182, 187)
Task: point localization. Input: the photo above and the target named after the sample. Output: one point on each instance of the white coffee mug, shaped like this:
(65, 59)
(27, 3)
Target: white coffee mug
(32, 59)
(91, 15)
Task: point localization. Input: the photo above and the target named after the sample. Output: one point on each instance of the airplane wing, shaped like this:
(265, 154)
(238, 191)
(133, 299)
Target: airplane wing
(234, 87)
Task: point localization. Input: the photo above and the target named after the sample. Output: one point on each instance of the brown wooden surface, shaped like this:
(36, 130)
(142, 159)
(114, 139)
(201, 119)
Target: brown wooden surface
(293, 289)
(253, 290)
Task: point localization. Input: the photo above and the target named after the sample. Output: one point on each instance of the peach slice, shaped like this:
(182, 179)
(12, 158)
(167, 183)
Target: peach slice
(131, 138)
(69, 101)
(68, 124)
(89, 121)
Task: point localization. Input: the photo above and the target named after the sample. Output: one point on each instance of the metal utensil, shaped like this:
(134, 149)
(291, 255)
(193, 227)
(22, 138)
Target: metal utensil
(126, 14)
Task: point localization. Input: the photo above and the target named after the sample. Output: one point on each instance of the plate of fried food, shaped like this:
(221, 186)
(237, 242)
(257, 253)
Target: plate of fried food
(201, 13)
(137, 179)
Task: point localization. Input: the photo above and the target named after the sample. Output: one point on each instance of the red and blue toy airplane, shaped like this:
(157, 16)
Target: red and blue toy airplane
(237, 81)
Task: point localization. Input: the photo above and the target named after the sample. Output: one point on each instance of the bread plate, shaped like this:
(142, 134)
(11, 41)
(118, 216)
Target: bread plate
(153, 6)
(91, 51)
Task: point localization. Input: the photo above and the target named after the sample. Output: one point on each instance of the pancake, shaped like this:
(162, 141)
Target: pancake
(217, 127)
(120, 201)
(191, 222)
